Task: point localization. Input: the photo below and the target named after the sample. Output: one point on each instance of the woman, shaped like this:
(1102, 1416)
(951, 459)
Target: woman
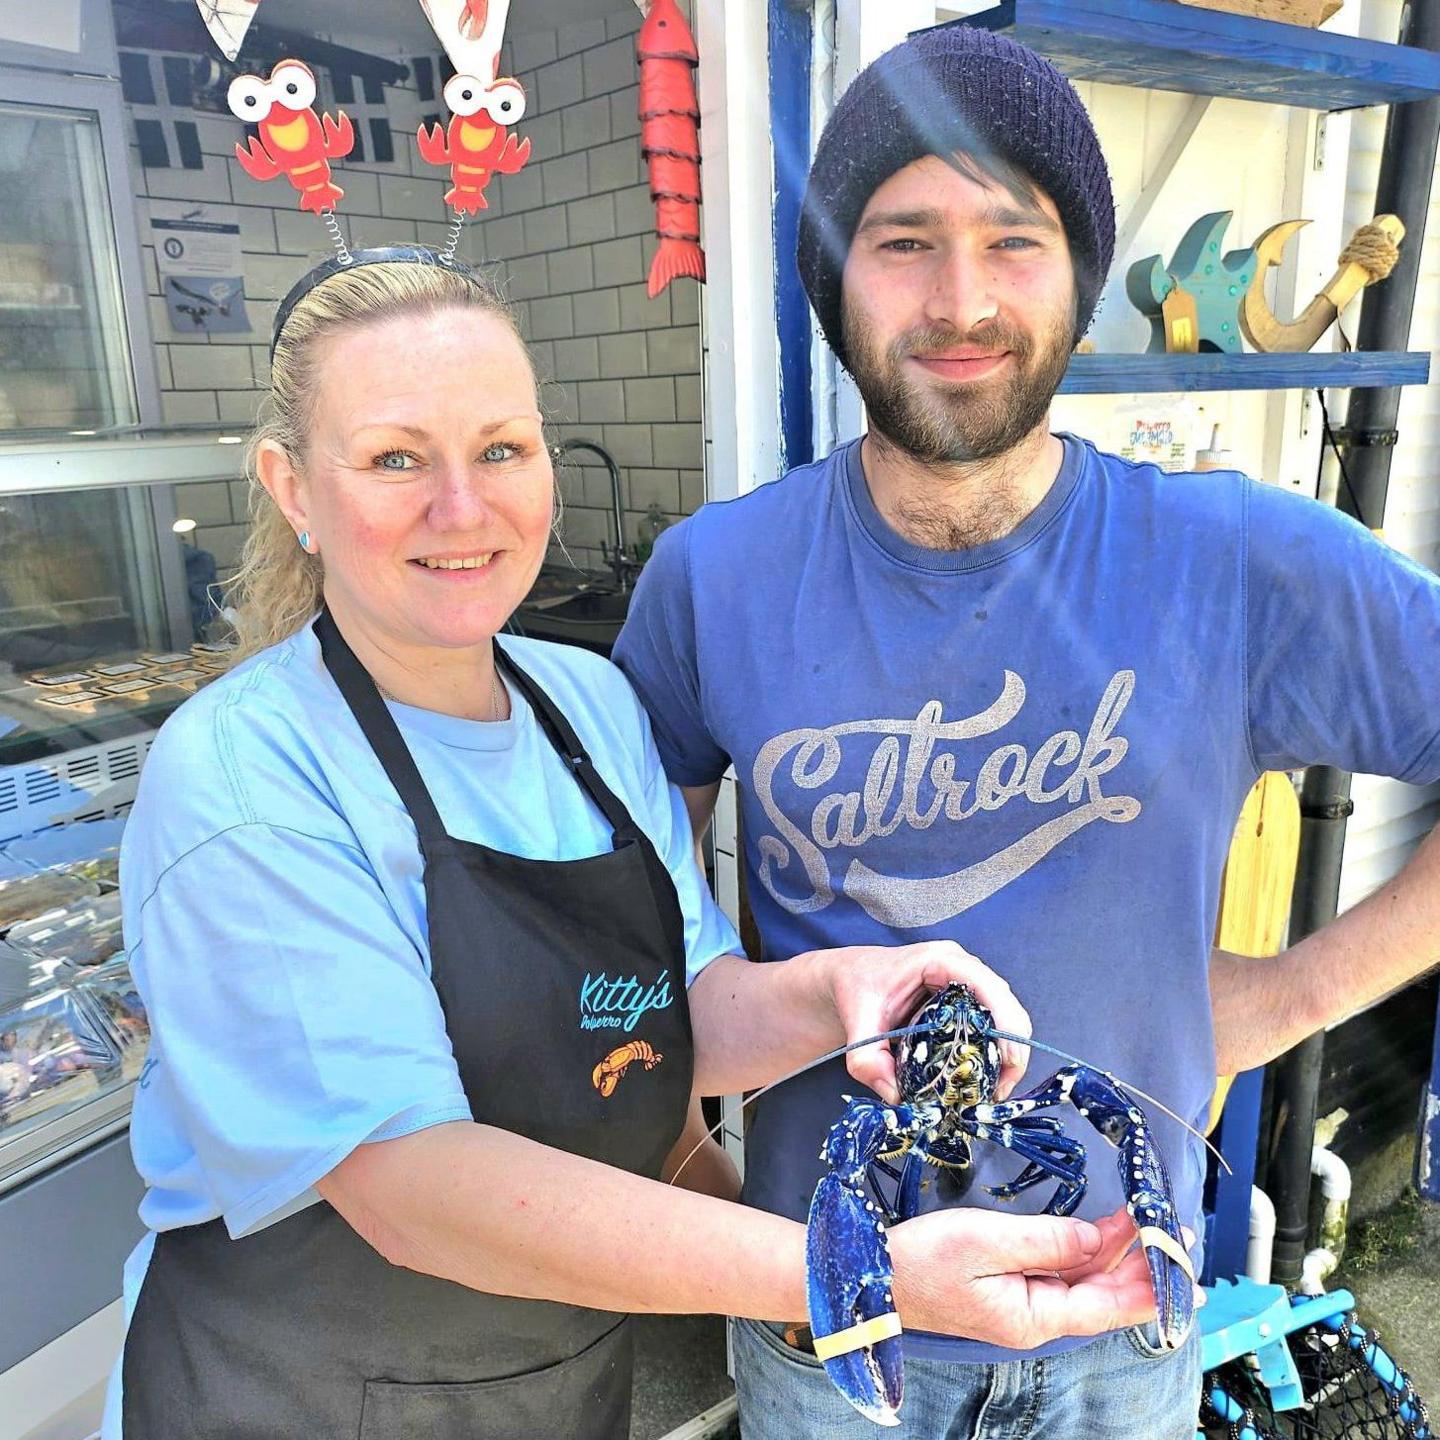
(415, 915)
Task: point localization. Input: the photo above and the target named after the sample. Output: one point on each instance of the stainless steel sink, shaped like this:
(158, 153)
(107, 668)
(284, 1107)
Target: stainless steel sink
(580, 607)
(606, 607)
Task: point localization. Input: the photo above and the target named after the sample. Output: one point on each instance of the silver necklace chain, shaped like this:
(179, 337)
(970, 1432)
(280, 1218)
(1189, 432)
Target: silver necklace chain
(497, 694)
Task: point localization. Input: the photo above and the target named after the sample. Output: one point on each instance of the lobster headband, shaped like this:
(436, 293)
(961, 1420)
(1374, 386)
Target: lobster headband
(378, 255)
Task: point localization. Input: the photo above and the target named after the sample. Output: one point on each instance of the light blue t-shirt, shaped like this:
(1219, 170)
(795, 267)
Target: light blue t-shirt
(275, 916)
(1036, 747)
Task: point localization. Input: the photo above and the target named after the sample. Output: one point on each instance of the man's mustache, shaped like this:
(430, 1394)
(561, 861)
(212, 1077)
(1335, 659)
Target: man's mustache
(931, 340)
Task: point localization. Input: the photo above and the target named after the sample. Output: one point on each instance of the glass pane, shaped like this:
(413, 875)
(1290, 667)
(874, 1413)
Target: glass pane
(64, 359)
(80, 623)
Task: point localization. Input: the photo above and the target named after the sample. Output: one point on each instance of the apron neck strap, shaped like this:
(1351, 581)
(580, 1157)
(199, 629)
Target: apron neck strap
(379, 727)
(567, 743)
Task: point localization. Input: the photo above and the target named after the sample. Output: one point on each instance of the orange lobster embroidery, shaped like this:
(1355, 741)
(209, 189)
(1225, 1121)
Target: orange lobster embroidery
(609, 1071)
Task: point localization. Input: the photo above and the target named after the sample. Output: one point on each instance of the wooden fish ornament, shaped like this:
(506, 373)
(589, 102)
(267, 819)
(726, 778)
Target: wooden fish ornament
(1193, 303)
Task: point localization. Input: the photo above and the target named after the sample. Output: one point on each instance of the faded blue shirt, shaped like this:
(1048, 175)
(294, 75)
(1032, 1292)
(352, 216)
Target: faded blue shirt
(1036, 747)
(275, 918)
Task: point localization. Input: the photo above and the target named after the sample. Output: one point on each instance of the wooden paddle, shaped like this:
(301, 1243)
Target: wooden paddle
(1256, 886)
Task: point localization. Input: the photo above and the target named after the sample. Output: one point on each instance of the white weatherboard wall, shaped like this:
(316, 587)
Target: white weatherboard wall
(1391, 819)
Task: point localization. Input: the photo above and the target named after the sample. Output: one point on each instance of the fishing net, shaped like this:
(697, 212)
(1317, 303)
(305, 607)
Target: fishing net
(1345, 1399)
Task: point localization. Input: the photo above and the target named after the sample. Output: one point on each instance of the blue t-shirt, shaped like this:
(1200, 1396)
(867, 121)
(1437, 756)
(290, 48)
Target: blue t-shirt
(1036, 747)
(275, 917)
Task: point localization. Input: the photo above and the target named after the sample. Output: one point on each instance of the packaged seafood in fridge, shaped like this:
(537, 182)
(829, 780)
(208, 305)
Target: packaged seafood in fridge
(84, 933)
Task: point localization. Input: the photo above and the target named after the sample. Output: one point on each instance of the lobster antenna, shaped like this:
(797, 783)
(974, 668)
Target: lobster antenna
(1133, 1089)
(800, 1070)
(926, 1029)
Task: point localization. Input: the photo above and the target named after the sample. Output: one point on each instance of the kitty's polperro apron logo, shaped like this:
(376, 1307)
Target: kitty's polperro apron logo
(919, 774)
(617, 1003)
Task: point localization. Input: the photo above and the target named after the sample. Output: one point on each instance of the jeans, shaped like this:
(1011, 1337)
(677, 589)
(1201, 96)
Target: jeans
(1119, 1387)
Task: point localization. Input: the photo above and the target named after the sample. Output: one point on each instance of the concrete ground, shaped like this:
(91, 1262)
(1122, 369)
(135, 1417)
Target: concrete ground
(679, 1371)
(1393, 1270)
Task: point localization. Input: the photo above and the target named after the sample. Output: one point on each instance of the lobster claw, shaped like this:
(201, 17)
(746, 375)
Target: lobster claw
(852, 1312)
(1149, 1198)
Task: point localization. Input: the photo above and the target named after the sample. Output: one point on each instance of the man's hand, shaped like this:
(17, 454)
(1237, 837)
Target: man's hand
(875, 988)
(1018, 1280)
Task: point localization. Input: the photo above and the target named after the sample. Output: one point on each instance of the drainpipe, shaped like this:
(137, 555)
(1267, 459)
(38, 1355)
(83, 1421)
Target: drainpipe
(1407, 164)
(1261, 1244)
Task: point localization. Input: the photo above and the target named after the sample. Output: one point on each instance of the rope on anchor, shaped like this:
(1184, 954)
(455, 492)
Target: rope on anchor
(1373, 250)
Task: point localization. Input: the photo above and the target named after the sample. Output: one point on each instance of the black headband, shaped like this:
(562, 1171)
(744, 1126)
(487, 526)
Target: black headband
(379, 255)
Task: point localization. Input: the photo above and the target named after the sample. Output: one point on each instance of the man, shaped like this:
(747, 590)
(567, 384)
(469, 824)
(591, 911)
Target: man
(983, 682)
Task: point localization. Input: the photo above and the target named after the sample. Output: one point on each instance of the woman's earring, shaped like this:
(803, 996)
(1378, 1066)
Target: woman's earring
(304, 538)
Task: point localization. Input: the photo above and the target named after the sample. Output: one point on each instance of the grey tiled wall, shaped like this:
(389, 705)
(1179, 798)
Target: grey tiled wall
(571, 237)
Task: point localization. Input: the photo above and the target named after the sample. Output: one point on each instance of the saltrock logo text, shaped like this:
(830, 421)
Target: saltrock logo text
(923, 771)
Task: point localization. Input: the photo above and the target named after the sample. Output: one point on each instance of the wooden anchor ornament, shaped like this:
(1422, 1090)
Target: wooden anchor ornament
(478, 143)
(1371, 254)
(1193, 302)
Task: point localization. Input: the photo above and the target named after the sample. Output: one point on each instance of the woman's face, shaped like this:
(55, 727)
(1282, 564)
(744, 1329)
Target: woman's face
(427, 490)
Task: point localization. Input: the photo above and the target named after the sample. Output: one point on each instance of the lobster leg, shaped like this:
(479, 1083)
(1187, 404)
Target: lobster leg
(1142, 1172)
(1052, 1156)
(852, 1310)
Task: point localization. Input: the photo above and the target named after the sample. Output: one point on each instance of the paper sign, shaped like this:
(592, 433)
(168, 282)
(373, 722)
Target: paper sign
(193, 239)
(206, 304)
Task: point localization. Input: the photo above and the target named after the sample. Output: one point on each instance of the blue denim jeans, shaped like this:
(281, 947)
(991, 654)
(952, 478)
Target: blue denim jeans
(1119, 1387)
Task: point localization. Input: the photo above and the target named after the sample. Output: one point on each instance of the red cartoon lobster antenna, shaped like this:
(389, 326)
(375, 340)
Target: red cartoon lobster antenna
(478, 143)
(291, 138)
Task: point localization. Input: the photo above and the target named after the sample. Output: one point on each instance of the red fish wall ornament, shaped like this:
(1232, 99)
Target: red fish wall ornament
(670, 141)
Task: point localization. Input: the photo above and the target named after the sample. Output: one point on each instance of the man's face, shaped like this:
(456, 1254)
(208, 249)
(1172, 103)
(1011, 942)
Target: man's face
(958, 311)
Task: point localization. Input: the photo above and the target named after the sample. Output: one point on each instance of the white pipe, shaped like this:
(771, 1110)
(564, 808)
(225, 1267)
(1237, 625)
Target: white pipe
(1334, 1177)
(1261, 1246)
(1314, 1268)
(1333, 1174)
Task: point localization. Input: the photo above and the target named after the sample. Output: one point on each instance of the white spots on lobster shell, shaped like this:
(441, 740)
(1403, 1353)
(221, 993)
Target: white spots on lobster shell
(921, 1051)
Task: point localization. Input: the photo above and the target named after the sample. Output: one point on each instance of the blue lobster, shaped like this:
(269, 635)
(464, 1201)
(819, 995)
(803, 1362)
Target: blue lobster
(947, 1066)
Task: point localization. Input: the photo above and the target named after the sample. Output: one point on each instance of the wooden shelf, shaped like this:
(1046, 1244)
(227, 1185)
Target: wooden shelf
(1163, 45)
(1120, 374)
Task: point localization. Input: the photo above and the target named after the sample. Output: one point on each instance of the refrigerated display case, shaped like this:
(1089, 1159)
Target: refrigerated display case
(98, 645)
(75, 352)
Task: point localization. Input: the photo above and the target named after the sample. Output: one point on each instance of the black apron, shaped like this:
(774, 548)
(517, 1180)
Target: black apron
(302, 1329)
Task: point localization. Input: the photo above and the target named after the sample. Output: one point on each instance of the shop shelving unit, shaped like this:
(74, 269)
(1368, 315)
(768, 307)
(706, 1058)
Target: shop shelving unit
(1162, 45)
(1109, 374)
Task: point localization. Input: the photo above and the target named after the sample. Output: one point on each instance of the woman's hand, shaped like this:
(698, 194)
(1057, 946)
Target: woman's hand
(875, 988)
(1018, 1280)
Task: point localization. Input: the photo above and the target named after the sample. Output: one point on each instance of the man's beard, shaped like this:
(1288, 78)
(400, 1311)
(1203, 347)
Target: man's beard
(973, 420)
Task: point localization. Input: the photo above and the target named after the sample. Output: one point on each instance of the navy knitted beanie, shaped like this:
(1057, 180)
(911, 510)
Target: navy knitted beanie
(955, 87)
